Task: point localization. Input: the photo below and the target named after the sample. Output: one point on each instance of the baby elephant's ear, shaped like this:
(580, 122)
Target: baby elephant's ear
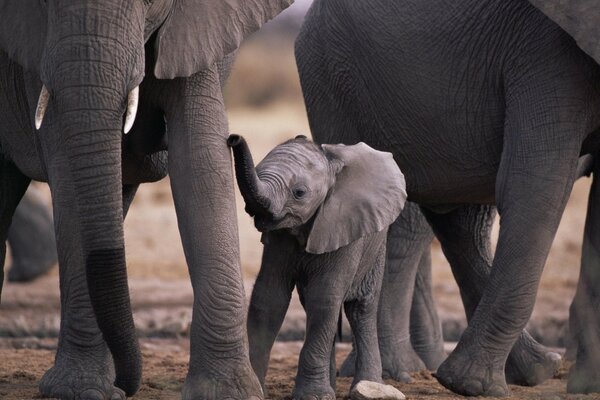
(368, 195)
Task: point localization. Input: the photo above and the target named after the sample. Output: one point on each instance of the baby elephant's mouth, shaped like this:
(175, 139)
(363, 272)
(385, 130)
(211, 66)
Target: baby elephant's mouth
(266, 223)
(263, 223)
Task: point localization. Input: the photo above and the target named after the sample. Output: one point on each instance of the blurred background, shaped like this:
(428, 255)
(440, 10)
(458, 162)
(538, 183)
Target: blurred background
(264, 102)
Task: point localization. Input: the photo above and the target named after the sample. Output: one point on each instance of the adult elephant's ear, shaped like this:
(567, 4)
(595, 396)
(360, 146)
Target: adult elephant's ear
(368, 195)
(198, 33)
(23, 31)
(579, 18)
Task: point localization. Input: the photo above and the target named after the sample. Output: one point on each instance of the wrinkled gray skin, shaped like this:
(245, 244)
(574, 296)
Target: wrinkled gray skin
(90, 55)
(474, 113)
(31, 239)
(294, 184)
(408, 250)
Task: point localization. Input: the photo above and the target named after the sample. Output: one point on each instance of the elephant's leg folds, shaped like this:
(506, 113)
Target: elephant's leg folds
(83, 367)
(465, 237)
(202, 184)
(270, 300)
(585, 374)
(409, 238)
(362, 315)
(535, 178)
(425, 325)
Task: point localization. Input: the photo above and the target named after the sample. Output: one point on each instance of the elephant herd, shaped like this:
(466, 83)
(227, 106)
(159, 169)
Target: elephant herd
(484, 105)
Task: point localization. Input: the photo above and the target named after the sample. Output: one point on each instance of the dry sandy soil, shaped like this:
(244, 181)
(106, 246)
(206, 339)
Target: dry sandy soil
(165, 366)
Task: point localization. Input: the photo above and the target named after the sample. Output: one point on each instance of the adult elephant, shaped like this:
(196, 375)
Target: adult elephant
(31, 239)
(95, 63)
(481, 102)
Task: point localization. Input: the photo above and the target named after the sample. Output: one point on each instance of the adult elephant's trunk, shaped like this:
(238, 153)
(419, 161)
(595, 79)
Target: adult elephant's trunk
(251, 187)
(87, 121)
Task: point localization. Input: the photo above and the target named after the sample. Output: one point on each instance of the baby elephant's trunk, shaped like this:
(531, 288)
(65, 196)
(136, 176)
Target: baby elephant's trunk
(251, 187)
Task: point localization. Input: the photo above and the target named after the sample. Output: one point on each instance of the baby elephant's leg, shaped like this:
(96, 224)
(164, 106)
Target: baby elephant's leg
(362, 315)
(313, 381)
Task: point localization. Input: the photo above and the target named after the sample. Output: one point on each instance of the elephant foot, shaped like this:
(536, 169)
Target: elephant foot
(472, 372)
(584, 378)
(81, 379)
(398, 360)
(529, 363)
(367, 390)
(313, 391)
(238, 383)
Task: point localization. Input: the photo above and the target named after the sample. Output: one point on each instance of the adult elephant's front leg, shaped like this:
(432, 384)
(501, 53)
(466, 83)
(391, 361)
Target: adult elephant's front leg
(465, 237)
(202, 184)
(83, 367)
(534, 181)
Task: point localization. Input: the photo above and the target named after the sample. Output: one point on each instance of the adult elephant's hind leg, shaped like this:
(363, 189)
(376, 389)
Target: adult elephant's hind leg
(13, 185)
(585, 374)
(409, 238)
(425, 326)
(202, 184)
(534, 180)
(465, 237)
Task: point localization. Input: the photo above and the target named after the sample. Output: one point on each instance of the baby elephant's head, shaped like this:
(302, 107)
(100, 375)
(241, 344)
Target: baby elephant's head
(351, 191)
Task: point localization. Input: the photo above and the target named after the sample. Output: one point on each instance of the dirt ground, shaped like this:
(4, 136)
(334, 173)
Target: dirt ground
(165, 367)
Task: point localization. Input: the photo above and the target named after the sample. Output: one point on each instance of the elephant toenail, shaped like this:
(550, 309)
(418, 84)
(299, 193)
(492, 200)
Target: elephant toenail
(118, 394)
(405, 377)
(473, 387)
(91, 394)
(496, 390)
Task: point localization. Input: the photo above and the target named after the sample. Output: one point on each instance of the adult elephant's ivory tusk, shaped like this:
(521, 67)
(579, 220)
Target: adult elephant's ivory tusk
(132, 105)
(42, 105)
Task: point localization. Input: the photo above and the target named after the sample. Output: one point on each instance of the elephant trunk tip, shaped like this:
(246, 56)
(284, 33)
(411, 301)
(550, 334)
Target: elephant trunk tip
(234, 140)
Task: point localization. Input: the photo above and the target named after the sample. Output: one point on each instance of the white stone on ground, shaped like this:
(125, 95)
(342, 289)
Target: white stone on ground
(367, 390)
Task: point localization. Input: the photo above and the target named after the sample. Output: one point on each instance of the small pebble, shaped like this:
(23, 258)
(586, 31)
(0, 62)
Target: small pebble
(367, 390)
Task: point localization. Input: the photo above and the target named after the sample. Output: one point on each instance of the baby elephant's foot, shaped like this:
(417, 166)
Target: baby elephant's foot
(584, 378)
(313, 392)
(367, 390)
(240, 384)
(398, 360)
(471, 372)
(529, 363)
(81, 383)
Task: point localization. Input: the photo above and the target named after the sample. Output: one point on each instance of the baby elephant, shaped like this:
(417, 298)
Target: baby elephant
(324, 212)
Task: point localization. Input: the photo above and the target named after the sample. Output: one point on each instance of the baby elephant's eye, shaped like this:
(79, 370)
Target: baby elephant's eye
(299, 193)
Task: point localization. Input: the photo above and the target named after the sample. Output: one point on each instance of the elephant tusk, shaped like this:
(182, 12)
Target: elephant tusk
(132, 105)
(42, 105)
